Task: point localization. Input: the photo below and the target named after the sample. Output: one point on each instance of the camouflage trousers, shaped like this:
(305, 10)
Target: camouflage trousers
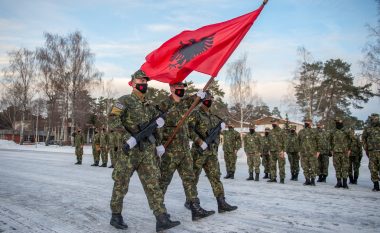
(340, 161)
(230, 158)
(145, 164)
(274, 157)
(104, 154)
(354, 165)
(182, 162)
(374, 165)
(294, 161)
(113, 156)
(266, 163)
(309, 165)
(323, 164)
(79, 153)
(253, 161)
(95, 154)
(208, 160)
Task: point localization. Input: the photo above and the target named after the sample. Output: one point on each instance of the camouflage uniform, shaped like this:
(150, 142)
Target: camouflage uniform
(141, 158)
(323, 159)
(231, 144)
(277, 145)
(308, 141)
(265, 153)
(340, 146)
(104, 146)
(114, 138)
(79, 142)
(354, 160)
(371, 142)
(96, 149)
(253, 148)
(292, 150)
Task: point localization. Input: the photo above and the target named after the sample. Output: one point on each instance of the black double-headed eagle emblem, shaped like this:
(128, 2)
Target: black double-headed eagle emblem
(189, 50)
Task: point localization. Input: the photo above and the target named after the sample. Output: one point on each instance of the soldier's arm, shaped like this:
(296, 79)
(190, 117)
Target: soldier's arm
(192, 122)
(238, 140)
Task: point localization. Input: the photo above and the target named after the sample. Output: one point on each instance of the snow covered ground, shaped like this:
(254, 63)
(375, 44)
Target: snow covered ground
(41, 190)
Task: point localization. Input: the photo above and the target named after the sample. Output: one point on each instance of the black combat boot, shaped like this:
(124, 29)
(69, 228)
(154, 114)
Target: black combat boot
(324, 178)
(307, 182)
(78, 163)
(223, 206)
(292, 178)
(345, 186)
(295, 177)
(164, 222)
(312, 181)
(351, 179)
(356, 176)
(95, 164)
(257, 177)
(118, 222)
(338, 183)
(111, 166)
(187, 205)
(197, 212)
(376, 186)
(320, 178)
(266, 176)
(250, 176)
(228, 175)
(103, 165)
(282, 181)
(232, 175)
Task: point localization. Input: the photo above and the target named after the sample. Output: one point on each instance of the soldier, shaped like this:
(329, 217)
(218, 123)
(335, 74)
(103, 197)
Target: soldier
(79, 142)
(277, 147)
(104, 141)
(177, 155)
(205, 156)
(253, 148)
(371, 142)
(231, 144)
(355, 159)
(309, 143)
(96, 149)
(324, 156)
(113, 146)
(340, 141)
(265, 153)
(135, 110)
(292, 150)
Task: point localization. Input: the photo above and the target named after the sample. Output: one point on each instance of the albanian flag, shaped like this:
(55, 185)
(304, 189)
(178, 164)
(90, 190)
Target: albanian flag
(204, 50)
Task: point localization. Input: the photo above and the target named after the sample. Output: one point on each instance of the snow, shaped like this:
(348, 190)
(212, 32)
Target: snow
(41, 190)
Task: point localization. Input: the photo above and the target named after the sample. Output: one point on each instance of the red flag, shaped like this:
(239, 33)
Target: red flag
(204, 50)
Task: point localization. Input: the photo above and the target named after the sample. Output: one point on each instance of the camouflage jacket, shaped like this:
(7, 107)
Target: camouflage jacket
(340, 140)
(356, 147)
(371, 138)
(78, 140)
(324, 139)
(265, 144)
(277, 143)
(231, 140)
(292, 143)
(113, 139)
(308, 141)
(252, 143)
(201, 121)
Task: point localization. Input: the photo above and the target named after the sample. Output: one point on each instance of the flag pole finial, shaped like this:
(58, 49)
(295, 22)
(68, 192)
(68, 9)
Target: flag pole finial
(265, 2)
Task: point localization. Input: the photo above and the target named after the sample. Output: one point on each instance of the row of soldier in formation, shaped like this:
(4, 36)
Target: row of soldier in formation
(145, 128)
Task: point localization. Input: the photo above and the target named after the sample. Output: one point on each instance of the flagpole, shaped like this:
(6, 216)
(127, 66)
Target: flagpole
(180, 123)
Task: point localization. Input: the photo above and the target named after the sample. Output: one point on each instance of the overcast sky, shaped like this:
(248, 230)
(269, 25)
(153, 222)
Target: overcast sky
(122, 32)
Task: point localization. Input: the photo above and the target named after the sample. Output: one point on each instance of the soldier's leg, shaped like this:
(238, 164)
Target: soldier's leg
(212, 169)
(256, 163)
(227, 161)
(326, 161)
(290, 159)
(296, 162)
(314, 171)
(350, 165)
(186, 172)
(113, 156)
(336, 163)
(250, 162)
(273, 165)
(198, 161)
(357, 162)
(281, 167)
(97, 156)
(320, 165)
(94, 154)
(233, 161)
(305, 167)
(167, 167)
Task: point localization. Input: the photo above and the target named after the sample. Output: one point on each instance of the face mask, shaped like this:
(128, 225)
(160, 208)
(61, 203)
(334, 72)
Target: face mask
(207, 103)
(142, 87)
(266, 133)
(339, 125)
(251, 130)
(307, 125)
(274, 126)
(180, 92)
(292, 131)
(230, 127)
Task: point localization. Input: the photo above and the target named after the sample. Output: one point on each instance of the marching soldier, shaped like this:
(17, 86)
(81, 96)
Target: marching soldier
(104, 141)
(355, 159)
(309, 143)
(135, 110)
(324, 156)
(96, 149)
(231, 144)
(79, 142)
(371, 142)
(177, 155)
(340, 140)
(277, 148)
(265, 153)
(253, 148)
(205, 155)
(292, 150)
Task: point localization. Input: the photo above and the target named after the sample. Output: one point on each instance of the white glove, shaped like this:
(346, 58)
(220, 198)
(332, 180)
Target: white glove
(160, 150)
(204, 146)
(223, 126)
(201, 94)
(131, 142)
(160, 122)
